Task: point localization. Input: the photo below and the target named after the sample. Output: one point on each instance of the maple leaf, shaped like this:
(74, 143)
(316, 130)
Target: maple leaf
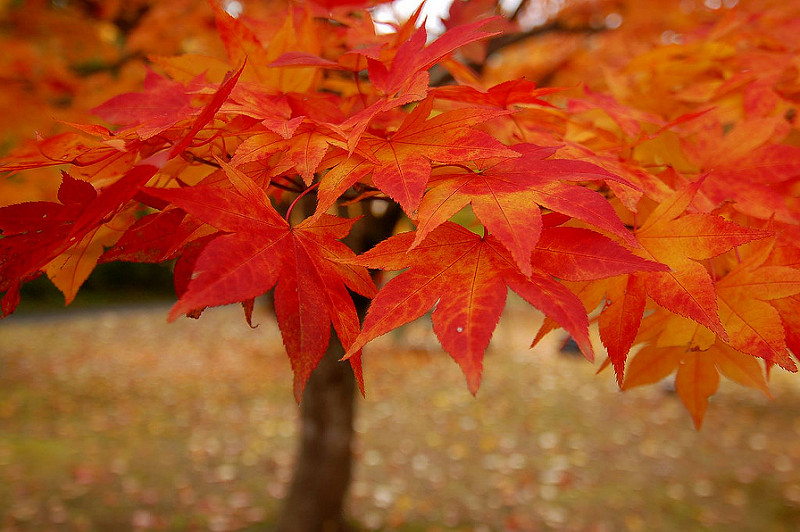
(70, 269)
(740, 367)
(752, 182)
(620, 320)
(257, 250)
(696, 379)
(36, 233)
(578, 254)
(413, 58)
(697, 373)
(466, 278)
(754, 326)
(679, 240)
(303, 149)
(504, 95)
(243, 43)
(157, 237)
(504, 196)
(161, 105)
(402, 160)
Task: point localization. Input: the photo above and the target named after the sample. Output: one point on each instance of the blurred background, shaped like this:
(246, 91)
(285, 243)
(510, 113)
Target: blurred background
(111, 419)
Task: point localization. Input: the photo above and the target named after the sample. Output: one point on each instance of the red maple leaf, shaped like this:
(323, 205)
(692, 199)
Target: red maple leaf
(301, 149)
(578, 254)
(501, 96)
(403, 158)
(466, 278)
(161, 105)
(256, 250)
(413, 58)
(620, 320)
(36, 233)
(400, 162)
(157, 237)
(504, 196)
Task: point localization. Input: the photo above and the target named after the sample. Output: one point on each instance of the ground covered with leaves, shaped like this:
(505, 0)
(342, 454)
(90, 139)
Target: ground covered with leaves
(112, 419)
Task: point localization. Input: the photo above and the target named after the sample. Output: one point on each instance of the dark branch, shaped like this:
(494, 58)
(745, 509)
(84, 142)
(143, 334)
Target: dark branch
(440, 76)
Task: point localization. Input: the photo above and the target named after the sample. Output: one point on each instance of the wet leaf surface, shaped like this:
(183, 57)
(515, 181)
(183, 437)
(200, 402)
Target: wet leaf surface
(116, 420)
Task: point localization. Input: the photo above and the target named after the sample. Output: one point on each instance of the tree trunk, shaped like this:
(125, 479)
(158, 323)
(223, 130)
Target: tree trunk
(315, 502)
(323, 466)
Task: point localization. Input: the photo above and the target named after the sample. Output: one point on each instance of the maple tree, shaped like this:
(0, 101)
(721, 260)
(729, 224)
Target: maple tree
(655, 195)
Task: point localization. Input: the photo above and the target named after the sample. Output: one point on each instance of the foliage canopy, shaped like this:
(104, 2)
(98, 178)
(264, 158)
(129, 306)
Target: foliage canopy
(655, 195)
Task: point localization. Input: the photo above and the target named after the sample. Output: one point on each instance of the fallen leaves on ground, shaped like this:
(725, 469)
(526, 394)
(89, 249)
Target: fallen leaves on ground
(112, 419)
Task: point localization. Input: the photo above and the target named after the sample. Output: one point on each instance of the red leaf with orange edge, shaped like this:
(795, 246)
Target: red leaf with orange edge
(465, 277)
(578, 254)
(403, 159)
(505, 195)
(161, 105)
(501, 96)
(259, 250)
(414, 57)
(619, 322)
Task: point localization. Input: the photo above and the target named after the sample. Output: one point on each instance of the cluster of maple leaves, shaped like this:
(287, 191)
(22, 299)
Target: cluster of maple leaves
(662, 204)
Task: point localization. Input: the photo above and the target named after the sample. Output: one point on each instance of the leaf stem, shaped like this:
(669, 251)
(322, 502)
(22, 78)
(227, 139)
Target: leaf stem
(357, 80)
(79, 163)
(197, 159)
(285, 187)
(303, 193)
(455, 165)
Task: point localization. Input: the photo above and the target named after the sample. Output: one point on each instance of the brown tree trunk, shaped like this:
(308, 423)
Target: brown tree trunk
(323, 466)
(315, 502)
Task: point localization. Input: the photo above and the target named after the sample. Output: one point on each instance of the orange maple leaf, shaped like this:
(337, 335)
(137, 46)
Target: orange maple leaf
(697, 373)
(754, 326)
(679, 240)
